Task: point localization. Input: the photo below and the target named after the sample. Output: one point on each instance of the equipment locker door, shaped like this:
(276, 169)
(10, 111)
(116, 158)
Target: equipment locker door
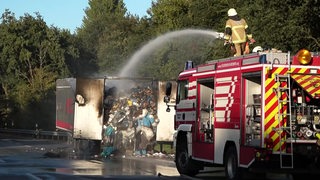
(252, 94)
(204, 124)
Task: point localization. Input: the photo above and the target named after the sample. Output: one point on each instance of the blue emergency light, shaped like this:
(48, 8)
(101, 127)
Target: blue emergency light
(189, 65)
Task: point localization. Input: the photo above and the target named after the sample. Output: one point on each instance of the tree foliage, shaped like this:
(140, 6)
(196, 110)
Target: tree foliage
(33, 56)
(286, 25)
(110, 34)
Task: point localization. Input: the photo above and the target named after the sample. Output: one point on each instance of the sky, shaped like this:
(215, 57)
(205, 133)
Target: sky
(66, 14)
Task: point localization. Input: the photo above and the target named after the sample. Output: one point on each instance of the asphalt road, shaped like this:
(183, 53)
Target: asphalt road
(47, 159)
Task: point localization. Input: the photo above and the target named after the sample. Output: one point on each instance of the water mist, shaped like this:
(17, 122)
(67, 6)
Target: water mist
(147, 49)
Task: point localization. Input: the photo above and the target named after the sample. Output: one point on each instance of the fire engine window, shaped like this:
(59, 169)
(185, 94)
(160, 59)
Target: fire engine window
(253, 80)
(206, 91)
(182, 90)
(253, 76)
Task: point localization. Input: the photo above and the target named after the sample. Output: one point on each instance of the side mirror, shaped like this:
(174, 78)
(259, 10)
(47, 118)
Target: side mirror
(168, 88)
(166, 98)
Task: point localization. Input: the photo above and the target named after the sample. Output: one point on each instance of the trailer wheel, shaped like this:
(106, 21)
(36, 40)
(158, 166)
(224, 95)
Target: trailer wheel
(232, 170)
(185, 165)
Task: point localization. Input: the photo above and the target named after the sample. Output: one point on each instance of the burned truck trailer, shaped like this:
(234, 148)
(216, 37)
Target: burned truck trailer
(108, 110)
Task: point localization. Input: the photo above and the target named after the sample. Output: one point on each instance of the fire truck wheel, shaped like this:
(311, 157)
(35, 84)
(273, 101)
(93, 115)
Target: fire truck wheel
(231, 164)
(185, 165)
(299, 176)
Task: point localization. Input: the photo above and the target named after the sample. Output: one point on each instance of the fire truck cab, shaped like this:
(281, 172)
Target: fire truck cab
(258, 111)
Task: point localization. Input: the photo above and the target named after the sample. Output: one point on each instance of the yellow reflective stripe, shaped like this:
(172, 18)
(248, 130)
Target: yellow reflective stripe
(237, 35)
(272, 119)
(239, 41)
(235, 31)
(310, 83)
(228, 26)
(237, 27)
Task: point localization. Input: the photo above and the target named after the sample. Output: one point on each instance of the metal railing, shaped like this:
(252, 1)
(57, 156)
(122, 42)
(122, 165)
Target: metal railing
(40, 134)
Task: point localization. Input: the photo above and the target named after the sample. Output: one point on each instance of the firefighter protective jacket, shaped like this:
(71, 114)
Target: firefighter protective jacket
(237, 30)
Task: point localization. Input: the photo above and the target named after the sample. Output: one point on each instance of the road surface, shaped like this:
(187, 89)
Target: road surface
(49, 159)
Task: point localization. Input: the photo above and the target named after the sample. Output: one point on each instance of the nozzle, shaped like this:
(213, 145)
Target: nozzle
(220, 35)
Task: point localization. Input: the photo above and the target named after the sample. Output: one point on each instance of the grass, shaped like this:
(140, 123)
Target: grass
(166, 148)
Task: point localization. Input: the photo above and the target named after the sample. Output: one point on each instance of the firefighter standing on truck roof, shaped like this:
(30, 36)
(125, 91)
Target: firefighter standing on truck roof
(237, 32)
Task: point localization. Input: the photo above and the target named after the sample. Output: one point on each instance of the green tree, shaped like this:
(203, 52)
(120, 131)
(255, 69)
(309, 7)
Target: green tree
(110, 35)
(114, 44)
(170, 15)
(285, 25)
(33, 56)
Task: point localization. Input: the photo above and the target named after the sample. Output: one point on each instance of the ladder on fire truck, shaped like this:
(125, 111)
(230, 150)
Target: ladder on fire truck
(283, 93)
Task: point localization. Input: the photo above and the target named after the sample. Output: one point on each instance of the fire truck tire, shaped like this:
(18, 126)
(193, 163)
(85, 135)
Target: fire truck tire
(185, 165)
(232, 170)
(298, 176)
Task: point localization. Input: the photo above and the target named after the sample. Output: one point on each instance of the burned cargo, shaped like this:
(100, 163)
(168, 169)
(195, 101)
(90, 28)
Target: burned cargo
(131, 110)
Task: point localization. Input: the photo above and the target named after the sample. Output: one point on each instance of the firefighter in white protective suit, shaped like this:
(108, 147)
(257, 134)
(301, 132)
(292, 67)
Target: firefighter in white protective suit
(237, 33)
(144, 132)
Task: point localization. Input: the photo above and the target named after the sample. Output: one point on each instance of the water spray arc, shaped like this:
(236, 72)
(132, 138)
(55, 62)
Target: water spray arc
(127, 70)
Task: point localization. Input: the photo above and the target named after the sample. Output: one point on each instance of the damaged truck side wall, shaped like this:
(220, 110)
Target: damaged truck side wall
(165, 128)
(88, 116)
(65, 90)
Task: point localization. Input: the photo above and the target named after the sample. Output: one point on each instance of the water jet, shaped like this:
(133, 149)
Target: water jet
(148, 48)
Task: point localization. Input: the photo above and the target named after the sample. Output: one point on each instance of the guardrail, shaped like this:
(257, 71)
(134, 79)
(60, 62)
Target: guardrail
(54, 135)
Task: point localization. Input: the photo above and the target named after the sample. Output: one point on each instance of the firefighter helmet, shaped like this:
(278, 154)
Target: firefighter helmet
(257, 49)
(232, 12)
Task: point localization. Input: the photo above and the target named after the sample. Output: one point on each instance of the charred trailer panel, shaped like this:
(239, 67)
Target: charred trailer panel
(65, 90)
(166, 126)
(88, 116)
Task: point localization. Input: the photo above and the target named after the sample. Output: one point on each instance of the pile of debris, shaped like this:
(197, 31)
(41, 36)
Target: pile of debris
(125, 114)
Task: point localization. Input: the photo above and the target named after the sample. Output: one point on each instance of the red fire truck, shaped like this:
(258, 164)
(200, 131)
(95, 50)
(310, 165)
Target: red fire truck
(254, 112)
